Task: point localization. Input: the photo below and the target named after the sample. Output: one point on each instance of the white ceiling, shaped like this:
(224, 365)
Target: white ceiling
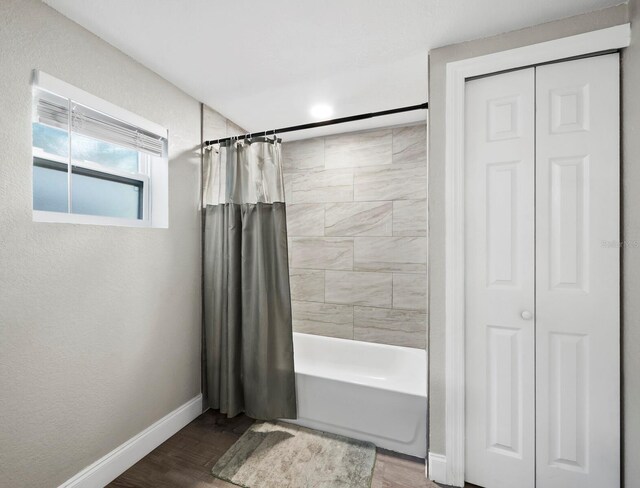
(263, 64)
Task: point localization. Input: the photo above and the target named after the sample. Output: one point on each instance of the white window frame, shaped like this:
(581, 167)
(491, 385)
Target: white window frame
(152, 171)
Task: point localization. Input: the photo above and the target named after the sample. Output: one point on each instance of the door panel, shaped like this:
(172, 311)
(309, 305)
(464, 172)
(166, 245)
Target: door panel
(499, 280)
(577, 274)
(568, 194)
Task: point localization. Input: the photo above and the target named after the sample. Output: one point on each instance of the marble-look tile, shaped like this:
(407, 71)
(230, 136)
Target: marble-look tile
(349, 287)
(410, 218)
(395, 182)
(390, 326)
(305, 219)
(289, 248)
(303, 155)
(214, 125)
(234, 129)
(408, 254)
(288, 190)
(410, 144)
(352, 150)
(322, 186)
(410, 291)
(358, 219)
(323, 319)
(307, 284)
(321, 253)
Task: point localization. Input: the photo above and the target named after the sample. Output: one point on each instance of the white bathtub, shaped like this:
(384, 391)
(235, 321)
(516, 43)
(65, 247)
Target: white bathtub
(372, 392)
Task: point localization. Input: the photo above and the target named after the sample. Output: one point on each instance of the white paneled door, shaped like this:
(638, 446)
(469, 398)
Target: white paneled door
(542, 299)
(499, 281)
(577, 274)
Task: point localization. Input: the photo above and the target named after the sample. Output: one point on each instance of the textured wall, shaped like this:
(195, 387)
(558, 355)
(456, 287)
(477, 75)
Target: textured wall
(438, 60)
(99, 326)
(356, 218)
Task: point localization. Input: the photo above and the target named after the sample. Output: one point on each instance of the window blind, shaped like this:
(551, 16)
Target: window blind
(53, 110)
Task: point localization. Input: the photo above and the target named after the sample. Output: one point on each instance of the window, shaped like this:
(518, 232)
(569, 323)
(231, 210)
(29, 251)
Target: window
(94, 162)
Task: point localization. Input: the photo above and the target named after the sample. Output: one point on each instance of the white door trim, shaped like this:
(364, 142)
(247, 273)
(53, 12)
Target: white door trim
(456, 74)
(436, 467)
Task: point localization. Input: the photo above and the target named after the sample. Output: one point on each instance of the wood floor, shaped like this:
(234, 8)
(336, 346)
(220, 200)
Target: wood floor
(185, 460)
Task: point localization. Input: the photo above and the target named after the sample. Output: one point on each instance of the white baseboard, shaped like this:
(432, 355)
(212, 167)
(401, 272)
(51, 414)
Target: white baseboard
(437, 468)
(109, 467)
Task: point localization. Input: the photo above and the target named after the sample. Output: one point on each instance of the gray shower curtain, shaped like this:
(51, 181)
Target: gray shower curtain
(247, 301)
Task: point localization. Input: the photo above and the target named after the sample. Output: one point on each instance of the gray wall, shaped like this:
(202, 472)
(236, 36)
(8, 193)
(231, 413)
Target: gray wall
(356, 219)
(438, 58)
(631, 254)
(99, 326)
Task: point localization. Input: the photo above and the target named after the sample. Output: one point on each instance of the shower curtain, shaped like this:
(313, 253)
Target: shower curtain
(247, 302)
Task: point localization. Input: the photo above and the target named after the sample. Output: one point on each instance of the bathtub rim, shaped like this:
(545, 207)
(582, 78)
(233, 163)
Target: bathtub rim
(421, 355)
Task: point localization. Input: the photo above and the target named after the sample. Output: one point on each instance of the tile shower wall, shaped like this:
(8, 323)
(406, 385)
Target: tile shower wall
(357, 223)
(217, 126)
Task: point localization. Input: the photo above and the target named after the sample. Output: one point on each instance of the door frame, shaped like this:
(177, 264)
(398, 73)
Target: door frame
(449, 469)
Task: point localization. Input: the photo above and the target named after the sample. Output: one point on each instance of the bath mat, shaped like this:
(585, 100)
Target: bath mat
(280, 455)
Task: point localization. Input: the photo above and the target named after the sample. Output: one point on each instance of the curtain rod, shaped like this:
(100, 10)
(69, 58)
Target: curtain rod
(313, 125)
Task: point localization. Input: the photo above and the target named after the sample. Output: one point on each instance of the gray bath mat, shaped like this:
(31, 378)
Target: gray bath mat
(279, 455)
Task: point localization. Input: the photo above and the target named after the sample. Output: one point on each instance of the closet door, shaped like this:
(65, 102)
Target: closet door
(499, 280)
(577, 274)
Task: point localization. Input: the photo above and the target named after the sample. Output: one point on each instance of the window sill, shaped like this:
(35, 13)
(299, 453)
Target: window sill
(69, 218)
